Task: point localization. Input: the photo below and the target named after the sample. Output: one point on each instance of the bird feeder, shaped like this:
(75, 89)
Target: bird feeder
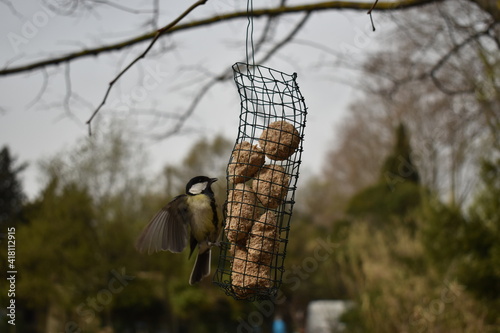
(262, 175)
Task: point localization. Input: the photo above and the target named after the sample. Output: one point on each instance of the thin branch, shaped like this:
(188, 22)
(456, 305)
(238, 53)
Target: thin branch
(63, 8)
(373, 7)
(142, 55)
(42, 90)
(192, 107)
(266, 32)
(82, 101)
(12, 9)
(222, 77)
(122, 7)
(450, 53)
(370, 13)
(329, 5)
(226, 75)
(69, 95)
(318, 46)
(156, 14)
(14, 59)
(287, 39)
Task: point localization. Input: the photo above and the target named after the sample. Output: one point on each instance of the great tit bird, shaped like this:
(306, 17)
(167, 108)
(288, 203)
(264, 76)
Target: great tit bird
(195, 211)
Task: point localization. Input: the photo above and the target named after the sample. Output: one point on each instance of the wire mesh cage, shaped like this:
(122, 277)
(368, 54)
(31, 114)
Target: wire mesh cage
(261, 177)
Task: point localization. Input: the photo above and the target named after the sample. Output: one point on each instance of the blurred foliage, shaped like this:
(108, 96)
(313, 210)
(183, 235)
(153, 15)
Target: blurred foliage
(398, 166)
(472, 251)
(379, 202)
(373, 228)
(79, 267)
(439, 275)
(442, 273)
(59, 243)
(12, 213)
(397, 191)
(481, 235)
(409, 261)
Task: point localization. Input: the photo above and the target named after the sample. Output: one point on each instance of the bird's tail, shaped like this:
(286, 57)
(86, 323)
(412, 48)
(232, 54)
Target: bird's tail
(201, 267)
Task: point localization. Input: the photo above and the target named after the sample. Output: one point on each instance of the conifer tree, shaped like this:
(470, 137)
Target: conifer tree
(398, 189)
(399, 165)
(11, 192)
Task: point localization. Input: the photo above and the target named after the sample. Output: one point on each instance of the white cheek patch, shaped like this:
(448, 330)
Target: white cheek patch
(198, 188)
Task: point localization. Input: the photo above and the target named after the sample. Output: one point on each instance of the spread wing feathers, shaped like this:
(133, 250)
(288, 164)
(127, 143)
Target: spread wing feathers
(167, 230)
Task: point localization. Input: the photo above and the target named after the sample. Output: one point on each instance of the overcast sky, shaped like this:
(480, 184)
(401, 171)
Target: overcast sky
(39, 130)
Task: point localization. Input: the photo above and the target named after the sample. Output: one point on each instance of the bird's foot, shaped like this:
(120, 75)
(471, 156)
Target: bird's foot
(214, 244)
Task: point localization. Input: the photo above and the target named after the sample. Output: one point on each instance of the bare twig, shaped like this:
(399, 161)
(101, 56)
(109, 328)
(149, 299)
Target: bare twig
(122, 7)
(266, 34)
(452, 52)
(287, 39)
(64, 8)
(156, 14)
(12, 9)
(226, 75)
(159, 32)
(370, 13)
(373, 7)
(321, 6)
(67, 97)
(192, 107)
(42, 90)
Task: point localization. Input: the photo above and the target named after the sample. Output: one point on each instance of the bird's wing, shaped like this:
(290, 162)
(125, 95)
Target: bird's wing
(167, 230)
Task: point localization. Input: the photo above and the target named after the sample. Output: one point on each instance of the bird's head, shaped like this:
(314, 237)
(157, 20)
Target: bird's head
(200, 184)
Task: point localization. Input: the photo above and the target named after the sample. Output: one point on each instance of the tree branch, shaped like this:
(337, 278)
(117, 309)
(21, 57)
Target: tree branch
(370, 13)
(158, 33)
(449, 54)
(287, 39)
(226, 75)
(42, 89)
(321, 6)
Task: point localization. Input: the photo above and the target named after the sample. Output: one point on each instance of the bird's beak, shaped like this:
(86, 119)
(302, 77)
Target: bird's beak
(213, 180)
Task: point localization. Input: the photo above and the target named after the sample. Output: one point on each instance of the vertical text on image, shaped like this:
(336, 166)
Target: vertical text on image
(11, 275)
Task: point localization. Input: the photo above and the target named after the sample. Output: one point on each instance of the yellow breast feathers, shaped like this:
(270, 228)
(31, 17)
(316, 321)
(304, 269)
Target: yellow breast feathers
(202, 222)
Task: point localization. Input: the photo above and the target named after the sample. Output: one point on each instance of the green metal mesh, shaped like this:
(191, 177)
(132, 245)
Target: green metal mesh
(253, 251)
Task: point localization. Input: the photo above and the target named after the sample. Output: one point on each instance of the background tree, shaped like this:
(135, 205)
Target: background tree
(441, 102)
(59, 235)
(82, 227)
(12, 197)
(12, 212)
(407, 81)
(396, 193)
(97, 199)
(437, 74)
(481, 235)
(396, 271)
